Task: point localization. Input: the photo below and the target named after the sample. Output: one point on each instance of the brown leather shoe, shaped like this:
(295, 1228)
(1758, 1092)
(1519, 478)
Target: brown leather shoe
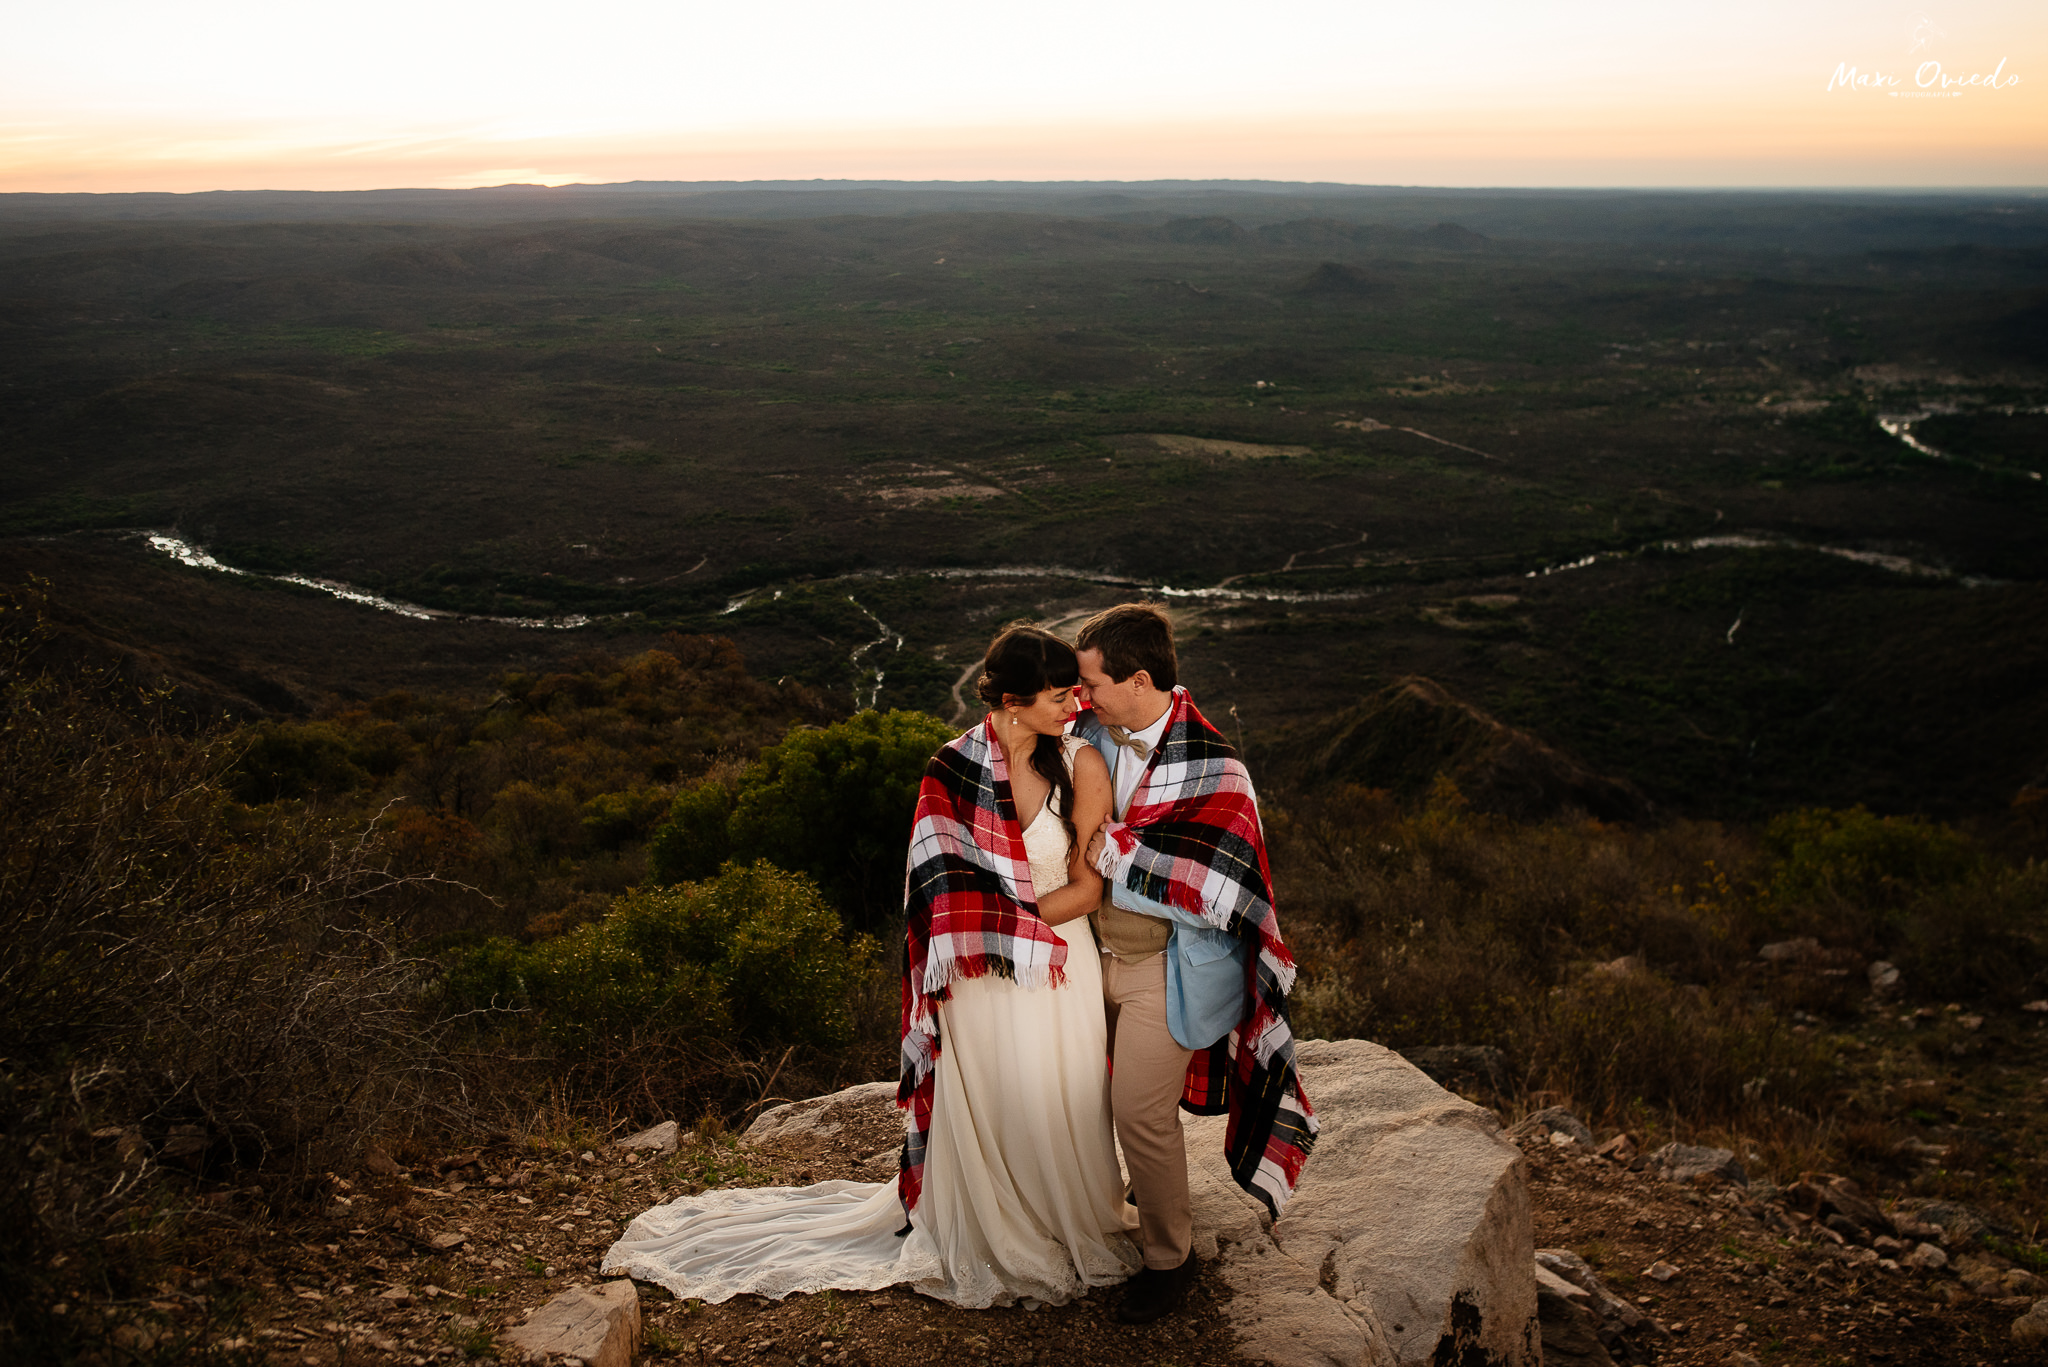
(1153, 1293)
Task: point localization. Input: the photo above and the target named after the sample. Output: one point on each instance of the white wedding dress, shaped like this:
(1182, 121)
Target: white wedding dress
(1022, 1193)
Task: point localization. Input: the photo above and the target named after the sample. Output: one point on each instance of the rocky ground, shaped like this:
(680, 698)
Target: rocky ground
(1715, 1268)
(1670, 1256)
(436, 1260)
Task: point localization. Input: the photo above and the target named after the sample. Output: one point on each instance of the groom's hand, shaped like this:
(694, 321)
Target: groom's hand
(1094, 854)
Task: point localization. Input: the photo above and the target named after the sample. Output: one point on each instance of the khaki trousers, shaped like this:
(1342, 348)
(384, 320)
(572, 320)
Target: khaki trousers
(1149, 1069)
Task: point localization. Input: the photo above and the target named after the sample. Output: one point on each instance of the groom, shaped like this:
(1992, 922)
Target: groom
(1194, 976)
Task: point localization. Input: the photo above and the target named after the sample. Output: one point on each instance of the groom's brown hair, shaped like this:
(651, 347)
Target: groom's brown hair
(1131, 637)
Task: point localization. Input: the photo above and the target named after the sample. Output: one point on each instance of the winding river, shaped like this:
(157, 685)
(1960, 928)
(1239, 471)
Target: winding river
(187, 554)
(1901, 425)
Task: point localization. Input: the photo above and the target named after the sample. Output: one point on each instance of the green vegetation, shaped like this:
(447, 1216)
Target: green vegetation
(835, 803)
(796, 433)
(1617, 967)
(649, 1006)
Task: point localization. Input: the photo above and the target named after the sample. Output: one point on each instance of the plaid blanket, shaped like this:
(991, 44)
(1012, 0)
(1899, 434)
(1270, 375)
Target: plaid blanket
(1191, 839)
(968, 900)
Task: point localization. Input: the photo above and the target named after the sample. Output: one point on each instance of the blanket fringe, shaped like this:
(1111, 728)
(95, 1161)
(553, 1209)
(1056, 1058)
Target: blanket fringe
(941, 973)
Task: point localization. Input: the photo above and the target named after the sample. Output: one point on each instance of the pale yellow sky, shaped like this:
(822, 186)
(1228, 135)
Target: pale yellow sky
(232, 94)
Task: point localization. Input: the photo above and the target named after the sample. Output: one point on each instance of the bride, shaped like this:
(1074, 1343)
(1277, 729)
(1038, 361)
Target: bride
(1009, 1186)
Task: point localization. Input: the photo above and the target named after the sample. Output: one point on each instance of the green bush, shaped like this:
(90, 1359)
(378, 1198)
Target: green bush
(284, 761)
(692, 842)
(1871, 861)
(834, 802)
(610, 820)
(753, 957)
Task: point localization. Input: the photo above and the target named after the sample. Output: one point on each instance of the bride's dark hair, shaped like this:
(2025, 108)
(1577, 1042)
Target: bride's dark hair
(1022, 662)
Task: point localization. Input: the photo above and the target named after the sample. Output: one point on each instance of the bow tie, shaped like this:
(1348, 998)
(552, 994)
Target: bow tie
(1126, 741)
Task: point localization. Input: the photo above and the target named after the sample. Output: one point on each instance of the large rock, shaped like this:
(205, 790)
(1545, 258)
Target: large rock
(1407, 1242)
(823, 1116)
(597, 1325)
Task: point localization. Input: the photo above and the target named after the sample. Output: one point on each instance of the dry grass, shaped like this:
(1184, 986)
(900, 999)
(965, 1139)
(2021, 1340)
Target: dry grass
(192, 991)
(1618, 967)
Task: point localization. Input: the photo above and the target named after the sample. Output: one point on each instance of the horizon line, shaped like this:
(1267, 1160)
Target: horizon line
(649, 186)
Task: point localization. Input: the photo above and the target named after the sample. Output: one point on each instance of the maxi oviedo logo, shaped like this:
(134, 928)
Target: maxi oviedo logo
(1924, 75)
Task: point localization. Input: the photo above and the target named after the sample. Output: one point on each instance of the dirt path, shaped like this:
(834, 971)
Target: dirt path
(961, 710)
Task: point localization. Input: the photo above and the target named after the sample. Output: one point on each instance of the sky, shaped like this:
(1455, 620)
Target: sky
(122, 95)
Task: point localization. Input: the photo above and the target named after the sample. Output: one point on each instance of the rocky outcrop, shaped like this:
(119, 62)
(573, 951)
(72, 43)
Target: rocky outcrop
(1407, 1242)
(824, 1116)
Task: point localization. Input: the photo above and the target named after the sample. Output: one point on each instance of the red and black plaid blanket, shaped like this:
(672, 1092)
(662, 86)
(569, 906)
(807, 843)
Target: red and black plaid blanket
(1191, 839)
(971, 912)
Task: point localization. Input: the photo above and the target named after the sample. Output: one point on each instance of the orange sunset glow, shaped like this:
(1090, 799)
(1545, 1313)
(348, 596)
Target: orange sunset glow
(226, 95)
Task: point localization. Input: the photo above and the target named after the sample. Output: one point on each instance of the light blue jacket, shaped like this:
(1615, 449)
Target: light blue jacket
(1205, 984)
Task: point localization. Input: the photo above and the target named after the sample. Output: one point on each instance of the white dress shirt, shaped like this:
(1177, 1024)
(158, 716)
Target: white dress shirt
(1129, 768)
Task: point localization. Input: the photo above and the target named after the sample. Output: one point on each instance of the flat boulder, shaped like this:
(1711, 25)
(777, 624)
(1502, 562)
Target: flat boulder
(821, 1117)
(1408, 1240)
(598, 1326)
(1690, 1162)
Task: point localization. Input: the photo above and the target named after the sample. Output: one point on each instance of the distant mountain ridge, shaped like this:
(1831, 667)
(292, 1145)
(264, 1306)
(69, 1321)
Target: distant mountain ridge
(1405, 736)
(1774, 220)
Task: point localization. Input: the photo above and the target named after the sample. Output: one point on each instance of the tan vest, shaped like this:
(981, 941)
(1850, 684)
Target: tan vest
(1127, 934)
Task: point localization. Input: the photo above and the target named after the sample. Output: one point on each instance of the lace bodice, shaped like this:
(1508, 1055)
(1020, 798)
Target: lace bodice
(1046, 844)
(1045, 840)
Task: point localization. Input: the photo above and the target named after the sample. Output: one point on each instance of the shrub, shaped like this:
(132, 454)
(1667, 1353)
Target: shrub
(610, 820)
(284, 761)
(682, 980)
(1618, 1043)
(1856, 857)
(1618, 967)
(834, 802)
(692, 841)
(186, 987)
(1985, 937)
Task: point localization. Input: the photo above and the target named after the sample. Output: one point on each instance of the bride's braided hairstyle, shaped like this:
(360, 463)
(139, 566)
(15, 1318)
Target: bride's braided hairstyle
(1022, 662)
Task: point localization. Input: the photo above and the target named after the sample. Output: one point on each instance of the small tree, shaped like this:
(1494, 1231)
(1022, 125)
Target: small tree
(834, 802)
